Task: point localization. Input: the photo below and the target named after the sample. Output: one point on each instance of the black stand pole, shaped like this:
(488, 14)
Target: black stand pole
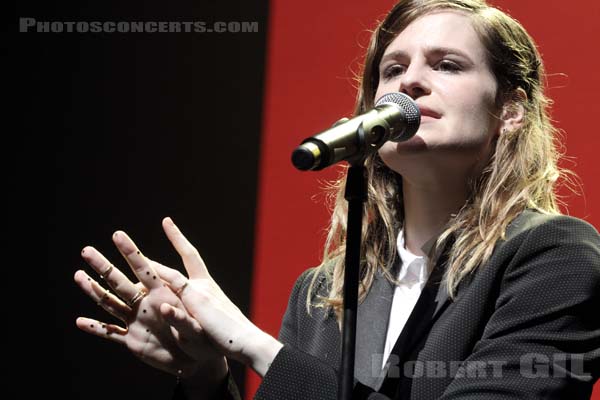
(356, 195)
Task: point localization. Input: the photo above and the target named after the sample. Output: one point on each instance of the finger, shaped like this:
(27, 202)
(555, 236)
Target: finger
(108, 301)
(175, 279)
(187, 326)
(140, 265)
(108, 331)
(192, 261)
(117, 280)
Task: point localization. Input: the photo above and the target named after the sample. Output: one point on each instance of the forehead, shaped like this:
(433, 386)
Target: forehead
(441, 29)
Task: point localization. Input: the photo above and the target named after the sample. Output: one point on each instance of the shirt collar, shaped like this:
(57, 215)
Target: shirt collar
(413, 268)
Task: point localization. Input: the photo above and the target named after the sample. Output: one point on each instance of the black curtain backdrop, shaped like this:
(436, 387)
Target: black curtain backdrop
(116, 131)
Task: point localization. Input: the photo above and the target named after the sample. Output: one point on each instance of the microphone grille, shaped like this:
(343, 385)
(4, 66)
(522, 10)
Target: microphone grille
(412, 115)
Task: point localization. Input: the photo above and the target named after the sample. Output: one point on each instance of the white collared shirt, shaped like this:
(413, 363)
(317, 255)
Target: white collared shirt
(412, 276)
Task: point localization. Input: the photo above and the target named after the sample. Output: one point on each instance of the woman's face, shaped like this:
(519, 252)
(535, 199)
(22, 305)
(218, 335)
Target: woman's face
(441, 63)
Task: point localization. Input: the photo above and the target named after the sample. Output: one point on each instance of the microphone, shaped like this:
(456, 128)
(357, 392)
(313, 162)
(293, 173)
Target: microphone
(395, 117)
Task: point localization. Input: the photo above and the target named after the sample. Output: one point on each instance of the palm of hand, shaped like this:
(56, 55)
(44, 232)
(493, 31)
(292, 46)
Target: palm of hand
(147, 335)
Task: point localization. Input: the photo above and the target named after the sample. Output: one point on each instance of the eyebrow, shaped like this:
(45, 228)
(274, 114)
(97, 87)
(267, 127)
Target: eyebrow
(429, 50)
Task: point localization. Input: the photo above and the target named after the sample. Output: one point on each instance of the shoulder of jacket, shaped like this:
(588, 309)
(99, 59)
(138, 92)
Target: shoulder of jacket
(304, 281)
(531, 221)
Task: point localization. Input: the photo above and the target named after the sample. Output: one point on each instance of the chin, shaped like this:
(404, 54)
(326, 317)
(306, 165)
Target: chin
(393, 150)
(416, 144)
(396, 155)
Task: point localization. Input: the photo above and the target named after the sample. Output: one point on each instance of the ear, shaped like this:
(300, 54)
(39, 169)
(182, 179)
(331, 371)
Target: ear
(512, 115)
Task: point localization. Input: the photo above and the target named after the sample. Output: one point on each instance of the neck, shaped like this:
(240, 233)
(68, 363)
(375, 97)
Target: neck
(427, 208)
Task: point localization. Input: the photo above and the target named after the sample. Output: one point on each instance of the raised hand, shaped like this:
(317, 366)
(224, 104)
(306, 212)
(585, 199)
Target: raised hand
(183, 352)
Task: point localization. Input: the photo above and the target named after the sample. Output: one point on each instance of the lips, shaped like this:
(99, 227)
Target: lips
(428, 112)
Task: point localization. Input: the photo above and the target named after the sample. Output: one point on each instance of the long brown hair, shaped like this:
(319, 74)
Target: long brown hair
(522, 172)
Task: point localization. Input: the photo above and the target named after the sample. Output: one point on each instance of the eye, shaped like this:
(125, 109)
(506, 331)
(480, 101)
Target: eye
(448, 66)
(393, 71)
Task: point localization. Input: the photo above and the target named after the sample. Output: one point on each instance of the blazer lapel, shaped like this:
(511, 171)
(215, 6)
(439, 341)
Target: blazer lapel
(373, 318)
(441, 297)
(441, 300)
(371, 328)
(431, 304)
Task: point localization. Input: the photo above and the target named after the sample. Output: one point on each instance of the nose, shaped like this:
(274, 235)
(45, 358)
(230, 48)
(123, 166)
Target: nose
(414, 81)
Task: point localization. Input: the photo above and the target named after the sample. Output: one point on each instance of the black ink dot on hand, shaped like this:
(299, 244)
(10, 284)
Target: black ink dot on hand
(91, 325)
(230, 341)
(154, 277)
(144, 310)
(147, 272)
(103, 326)
(138, 252)
(147, 330)
(89, 279)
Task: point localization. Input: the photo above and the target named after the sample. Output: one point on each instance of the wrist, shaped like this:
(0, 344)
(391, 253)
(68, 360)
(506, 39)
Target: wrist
(262, 352)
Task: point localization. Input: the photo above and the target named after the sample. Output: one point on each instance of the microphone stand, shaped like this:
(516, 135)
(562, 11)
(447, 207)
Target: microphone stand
(361, 137)
(356, 195)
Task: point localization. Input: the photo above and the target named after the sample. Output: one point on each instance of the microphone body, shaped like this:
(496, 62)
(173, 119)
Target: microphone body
(395, 117)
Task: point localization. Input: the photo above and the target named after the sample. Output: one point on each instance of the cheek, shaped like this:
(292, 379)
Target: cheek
(380, 92)
(384, 88)
(476, 118)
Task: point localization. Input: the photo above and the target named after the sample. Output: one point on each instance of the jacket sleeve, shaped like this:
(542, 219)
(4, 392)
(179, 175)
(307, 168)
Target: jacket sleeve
(296, 374)
(543, 338)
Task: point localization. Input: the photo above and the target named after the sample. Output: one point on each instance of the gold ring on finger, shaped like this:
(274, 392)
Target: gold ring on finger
(178, 291)
(106, 272)
(137, 297)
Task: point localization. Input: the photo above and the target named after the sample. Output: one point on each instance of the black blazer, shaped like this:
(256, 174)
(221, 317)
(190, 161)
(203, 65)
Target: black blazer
(524, 326)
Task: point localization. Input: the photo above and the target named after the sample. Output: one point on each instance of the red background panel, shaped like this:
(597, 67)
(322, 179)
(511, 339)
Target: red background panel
(313, 49)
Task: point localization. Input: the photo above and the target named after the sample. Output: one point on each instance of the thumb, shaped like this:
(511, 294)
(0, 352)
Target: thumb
(193, 263)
